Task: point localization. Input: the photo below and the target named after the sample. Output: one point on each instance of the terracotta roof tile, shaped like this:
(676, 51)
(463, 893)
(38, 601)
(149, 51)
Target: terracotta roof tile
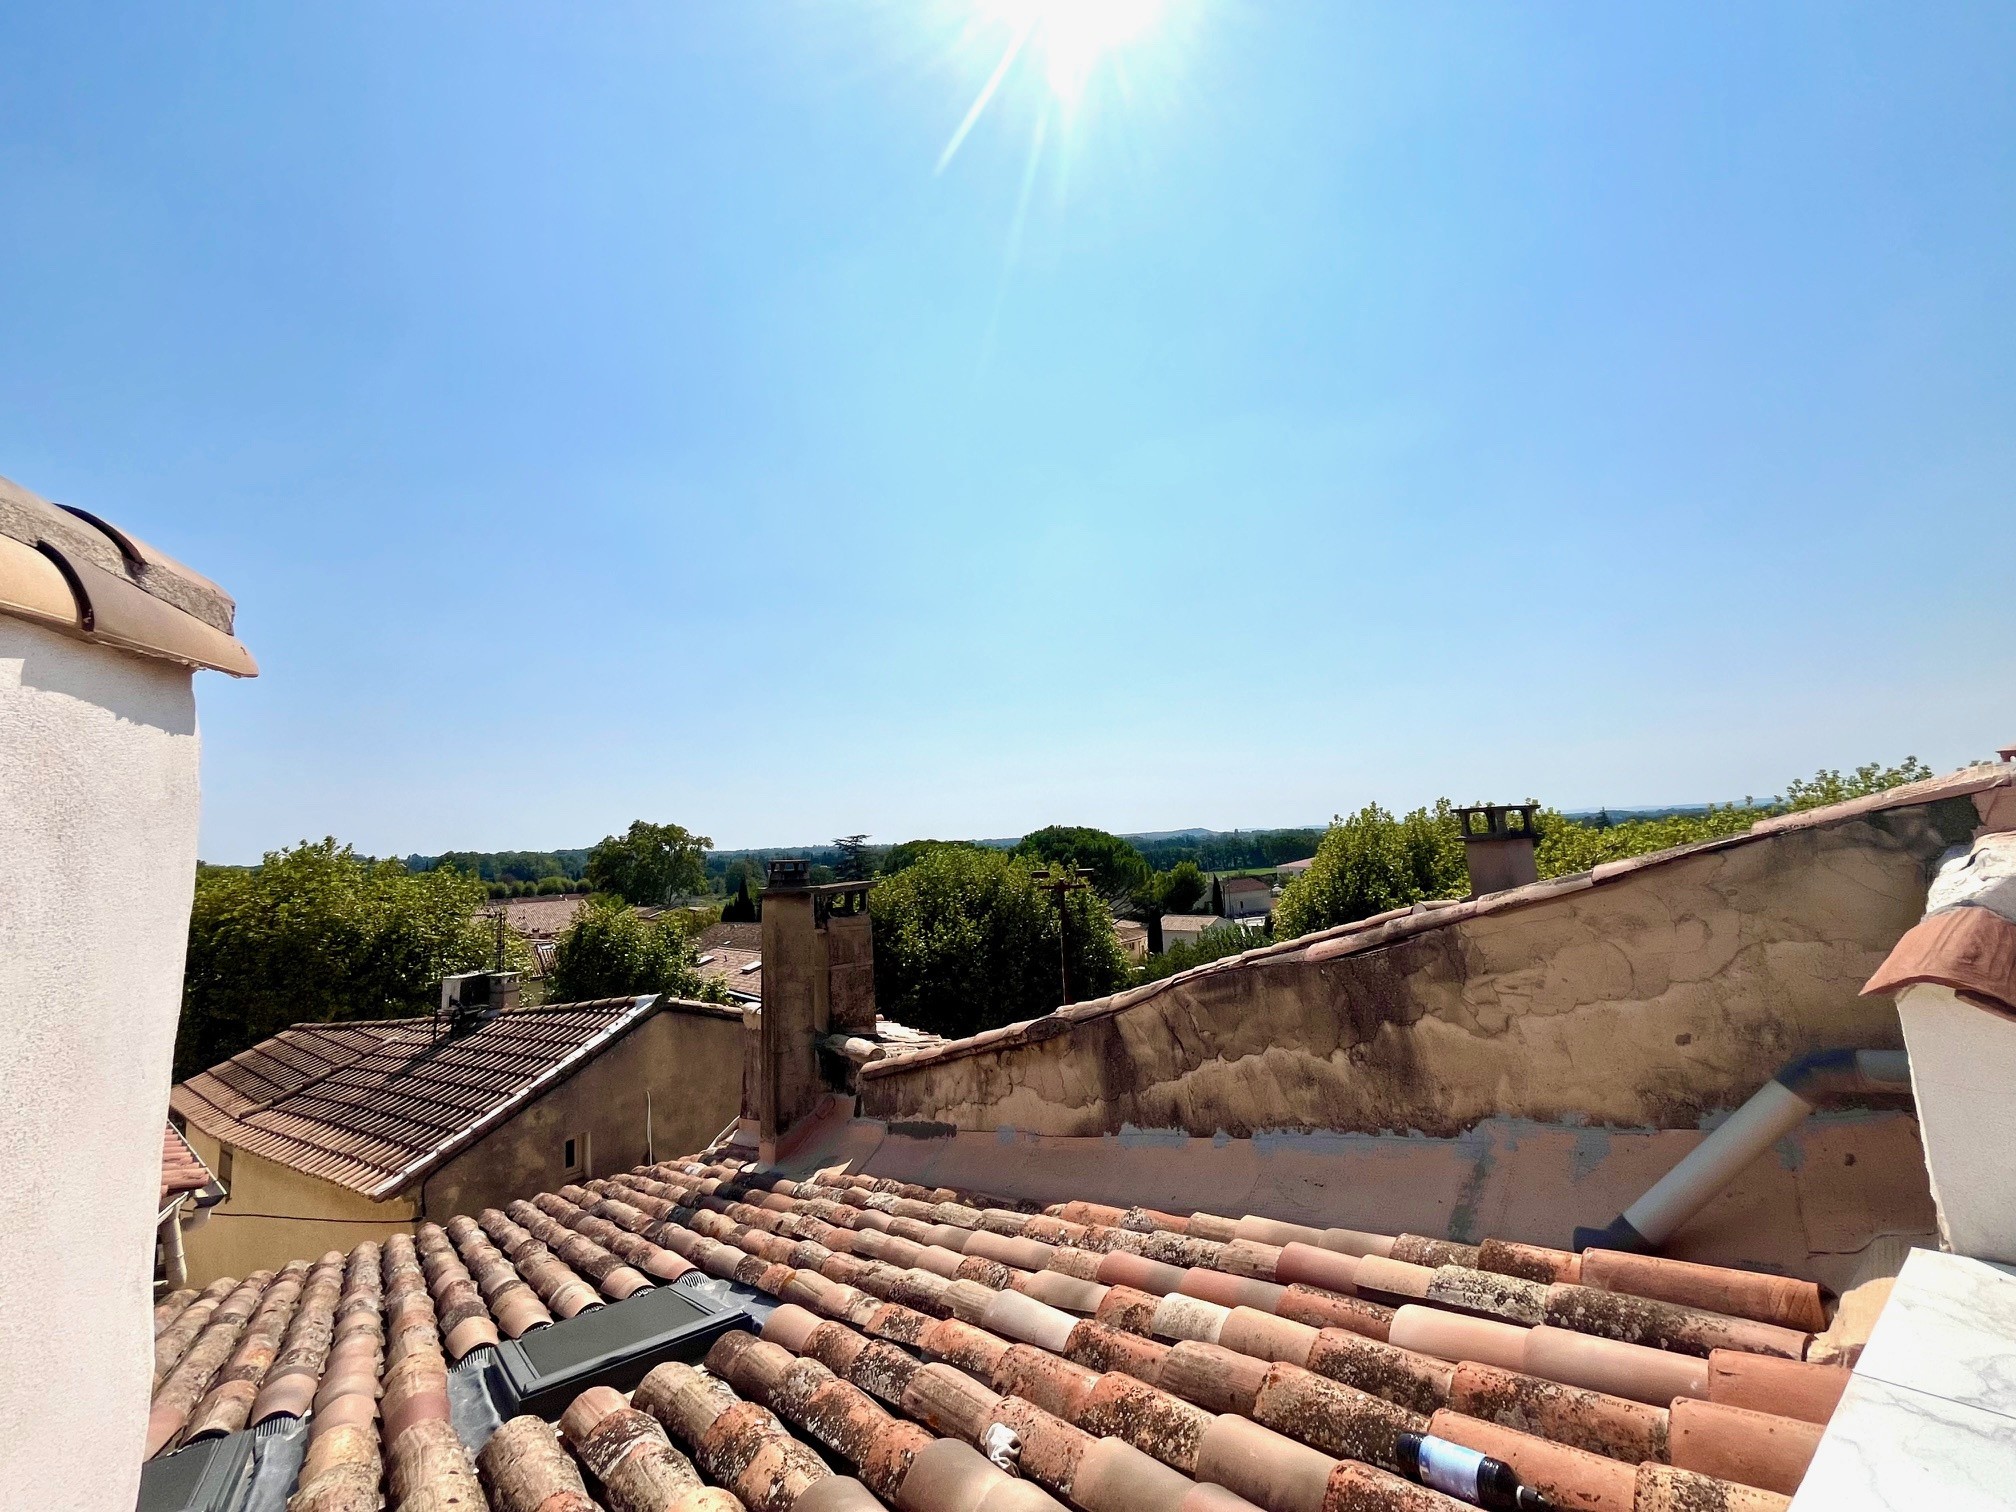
(1970, 948)
(740, 936)
(920, 1327)
(68, 569)
(737, 969)
(371, 1106)
(182, 1169)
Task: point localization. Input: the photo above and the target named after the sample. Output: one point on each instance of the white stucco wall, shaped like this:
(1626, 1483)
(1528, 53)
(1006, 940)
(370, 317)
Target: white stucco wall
(1248, 903)
(98, 812)
(1963, 1073)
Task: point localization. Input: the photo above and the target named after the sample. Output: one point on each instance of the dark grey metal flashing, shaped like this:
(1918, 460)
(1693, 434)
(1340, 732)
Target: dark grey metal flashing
(278, 1446)
(616, 1345)
(210, 1475)
(479, 1397)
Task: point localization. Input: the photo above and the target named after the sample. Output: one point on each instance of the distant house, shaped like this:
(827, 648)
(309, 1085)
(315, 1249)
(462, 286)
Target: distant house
(541, 918)
(1288, 871)
(740, 972)
(1133, 938)
(1185, 929)
(1244, 897)
(732, 954)
(326, 1134)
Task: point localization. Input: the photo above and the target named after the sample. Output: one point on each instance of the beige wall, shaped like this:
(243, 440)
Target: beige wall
(1246, 903)
(688, 1058)
(98, 813)
(794, 991)
(1515, 1073)
(1649, 1001)
(274, 1214)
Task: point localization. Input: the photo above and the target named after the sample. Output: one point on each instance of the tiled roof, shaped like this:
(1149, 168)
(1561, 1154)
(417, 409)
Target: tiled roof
(742, 936)
(740, 971)
(66, 568)
(1245, 884)
(1122, 1360)
(372, 1105)
(182, 1169)
(542, 917)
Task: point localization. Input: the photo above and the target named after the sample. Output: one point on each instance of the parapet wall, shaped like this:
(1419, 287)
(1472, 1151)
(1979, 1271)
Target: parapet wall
(1647, 995)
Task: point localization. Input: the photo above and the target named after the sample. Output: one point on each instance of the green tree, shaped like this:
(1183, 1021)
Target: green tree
(740, 909)
(650, 863)
(1371, 862)
(965, 940)
(1829, 786)
(1181, 888)
(611, 951)
(900, 857)
(856, 863)
(1567, 847)
(318, 933)
(1221, 939)
(1117, 868)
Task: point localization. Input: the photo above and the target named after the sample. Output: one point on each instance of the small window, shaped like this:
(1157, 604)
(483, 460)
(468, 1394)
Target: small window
(574, 1155)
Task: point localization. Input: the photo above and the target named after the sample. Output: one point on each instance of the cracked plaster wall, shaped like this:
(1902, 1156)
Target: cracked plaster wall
(1649, 1001)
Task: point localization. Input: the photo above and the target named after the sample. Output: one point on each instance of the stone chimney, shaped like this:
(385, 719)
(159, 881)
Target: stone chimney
(818, 980)
(1498, 843)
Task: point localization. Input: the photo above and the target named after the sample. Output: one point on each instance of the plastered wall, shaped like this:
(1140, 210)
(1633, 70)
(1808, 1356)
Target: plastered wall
(688, 1063)
(274, 1214)
(98, 816)
(1650, 1002)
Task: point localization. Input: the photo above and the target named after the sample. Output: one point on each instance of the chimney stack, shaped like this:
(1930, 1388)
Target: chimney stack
(471, 999)
(1498, 843)
(818, 979)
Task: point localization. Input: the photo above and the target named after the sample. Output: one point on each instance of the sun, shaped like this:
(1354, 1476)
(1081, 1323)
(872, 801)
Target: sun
(1069, 40)
(1074, 36)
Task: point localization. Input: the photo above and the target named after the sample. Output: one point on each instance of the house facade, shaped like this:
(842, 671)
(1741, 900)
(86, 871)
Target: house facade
(1244, 897)
(329, 1134)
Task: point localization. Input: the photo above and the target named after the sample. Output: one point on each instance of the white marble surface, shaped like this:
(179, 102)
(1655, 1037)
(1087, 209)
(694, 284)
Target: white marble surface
(1891, 1447)
(1949, 1329)
(1929, 1421)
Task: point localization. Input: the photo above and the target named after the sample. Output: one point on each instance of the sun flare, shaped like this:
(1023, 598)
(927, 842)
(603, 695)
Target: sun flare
(1069, 41)
(1074, 36)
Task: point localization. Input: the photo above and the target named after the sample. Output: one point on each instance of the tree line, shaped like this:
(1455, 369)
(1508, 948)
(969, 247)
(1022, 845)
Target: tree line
(966, 936)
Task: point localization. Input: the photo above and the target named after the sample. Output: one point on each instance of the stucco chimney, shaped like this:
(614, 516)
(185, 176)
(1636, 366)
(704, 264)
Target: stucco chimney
(100, 636)
(818, 979)
(1954, 978)
(1498, 844)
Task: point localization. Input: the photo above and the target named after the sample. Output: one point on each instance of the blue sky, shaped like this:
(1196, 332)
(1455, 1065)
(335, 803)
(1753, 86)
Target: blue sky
(604, 412)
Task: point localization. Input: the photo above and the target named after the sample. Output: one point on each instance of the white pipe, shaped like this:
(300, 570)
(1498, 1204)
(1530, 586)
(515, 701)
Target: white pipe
(1682, 1192)
(175, 1264)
